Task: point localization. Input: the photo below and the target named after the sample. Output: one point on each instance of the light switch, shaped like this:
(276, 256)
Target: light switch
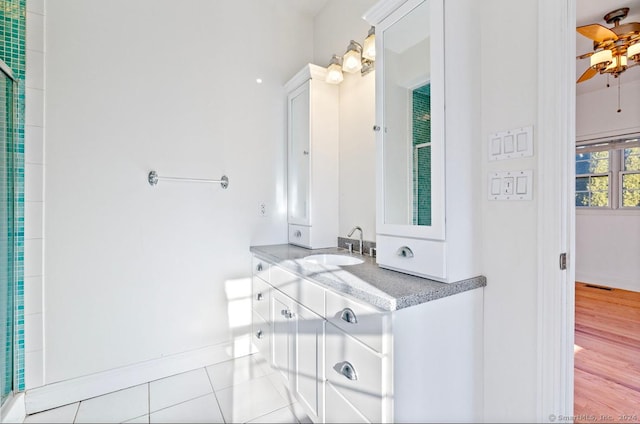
(496, 146)
(508, 144)
(495, 185)
(521, 185)
(521, 142)
(507, 185)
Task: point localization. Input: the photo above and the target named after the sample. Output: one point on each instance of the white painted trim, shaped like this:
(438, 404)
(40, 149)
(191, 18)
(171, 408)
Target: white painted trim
(309, 71)
(609, 281)
(13, 410)
(556, 210)
(85, 387)
(381, 10)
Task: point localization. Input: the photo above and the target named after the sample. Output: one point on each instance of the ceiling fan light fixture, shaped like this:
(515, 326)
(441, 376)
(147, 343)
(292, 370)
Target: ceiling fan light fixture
(602, 59)
(633, 52)
(616, 66)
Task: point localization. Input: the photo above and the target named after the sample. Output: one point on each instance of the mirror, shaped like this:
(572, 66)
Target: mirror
(407, 149)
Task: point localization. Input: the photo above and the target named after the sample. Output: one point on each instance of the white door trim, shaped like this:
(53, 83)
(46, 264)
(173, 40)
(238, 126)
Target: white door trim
(556, 211)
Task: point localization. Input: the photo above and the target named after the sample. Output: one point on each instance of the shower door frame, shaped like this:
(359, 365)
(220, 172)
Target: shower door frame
(6, 70)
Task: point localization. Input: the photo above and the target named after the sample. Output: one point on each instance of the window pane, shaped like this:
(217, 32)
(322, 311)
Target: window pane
(582, 199)
(599, 188)
(582, 183)
(631, 190)
(582, 167)
(632, 159)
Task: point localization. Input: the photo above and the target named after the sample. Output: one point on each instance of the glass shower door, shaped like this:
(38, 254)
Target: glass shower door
(7, 275)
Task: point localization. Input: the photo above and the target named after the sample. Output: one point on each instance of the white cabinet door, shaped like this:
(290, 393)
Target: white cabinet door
(299, 152)
(310, 362)
(283, 336)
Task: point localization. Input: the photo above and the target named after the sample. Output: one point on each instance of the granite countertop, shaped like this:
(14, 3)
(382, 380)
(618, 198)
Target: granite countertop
(387, 290)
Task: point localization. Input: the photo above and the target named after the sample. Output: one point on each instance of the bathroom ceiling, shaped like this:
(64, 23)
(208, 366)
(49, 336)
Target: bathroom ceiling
(590, 12)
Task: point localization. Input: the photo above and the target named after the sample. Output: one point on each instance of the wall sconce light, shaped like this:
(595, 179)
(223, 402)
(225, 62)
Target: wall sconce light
(334, 70)
(369, 47)
(357, 58)
(352, 59)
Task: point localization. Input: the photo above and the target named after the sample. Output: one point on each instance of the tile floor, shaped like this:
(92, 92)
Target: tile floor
(243, 390)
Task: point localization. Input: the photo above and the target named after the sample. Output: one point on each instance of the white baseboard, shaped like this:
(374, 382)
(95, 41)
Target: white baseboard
(13, 410)
(77, 389)
(608, 281)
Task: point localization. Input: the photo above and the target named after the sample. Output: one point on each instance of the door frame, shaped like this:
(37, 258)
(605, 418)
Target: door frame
(556, 209)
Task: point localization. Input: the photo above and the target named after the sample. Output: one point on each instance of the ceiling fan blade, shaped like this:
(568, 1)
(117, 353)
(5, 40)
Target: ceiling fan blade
(588, 74)
(584, 56)
(597, 32)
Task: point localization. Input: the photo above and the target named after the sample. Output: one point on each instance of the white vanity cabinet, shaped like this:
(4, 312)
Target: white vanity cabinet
(425, 218)
(295, 334)
(312, 149)
(345, 360)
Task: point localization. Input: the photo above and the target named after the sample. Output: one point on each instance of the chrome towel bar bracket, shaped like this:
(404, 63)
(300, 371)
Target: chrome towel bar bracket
(153, 179)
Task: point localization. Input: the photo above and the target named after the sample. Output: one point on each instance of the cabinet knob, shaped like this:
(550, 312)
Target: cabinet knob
(259, 267)
(348, 371)
(305, 152)
(298, 234)
(405, 252)
(349, 316)
(259, 334)
(376, 127)
(287, 313)
(259, 296)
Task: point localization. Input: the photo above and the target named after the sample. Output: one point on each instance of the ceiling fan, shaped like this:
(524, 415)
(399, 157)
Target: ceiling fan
(613, 48)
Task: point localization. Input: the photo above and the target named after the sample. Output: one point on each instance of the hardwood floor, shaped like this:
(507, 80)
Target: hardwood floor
(607, 355)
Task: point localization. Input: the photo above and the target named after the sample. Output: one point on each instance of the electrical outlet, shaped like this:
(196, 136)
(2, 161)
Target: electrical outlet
(262, 209)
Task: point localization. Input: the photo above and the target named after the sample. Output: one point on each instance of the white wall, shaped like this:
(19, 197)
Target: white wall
(336, 24)
(135, 272)
(608, 242)
(608, 248)
(509, 250)
(596, 111)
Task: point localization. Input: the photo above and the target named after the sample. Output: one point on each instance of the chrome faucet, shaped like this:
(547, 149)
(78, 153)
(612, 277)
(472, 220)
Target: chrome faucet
(353, 231)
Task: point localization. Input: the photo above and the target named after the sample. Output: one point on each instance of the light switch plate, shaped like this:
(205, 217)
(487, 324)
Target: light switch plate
(510, 185)
(516, 143)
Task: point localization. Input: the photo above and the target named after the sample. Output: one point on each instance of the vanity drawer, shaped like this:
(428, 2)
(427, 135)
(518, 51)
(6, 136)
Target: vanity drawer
(261, 298)
(261, 268)
(355, 371)
(338, 409)
(358, 320)
(261, 336)
(299, 289)
(425, 258)
(300, 235)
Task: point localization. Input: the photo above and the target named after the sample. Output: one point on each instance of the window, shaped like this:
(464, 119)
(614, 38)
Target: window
(608, 174)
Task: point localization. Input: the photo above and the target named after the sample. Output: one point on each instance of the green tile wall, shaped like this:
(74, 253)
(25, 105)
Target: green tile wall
(421, 121)
(12, 51)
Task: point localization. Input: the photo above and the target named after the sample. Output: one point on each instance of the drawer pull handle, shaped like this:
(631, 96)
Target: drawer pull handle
(287, 313)
(259, 334)
(259, 296)
(259, 267)
(348, 371)
(298, 234)
(349, 316)
(405, 252)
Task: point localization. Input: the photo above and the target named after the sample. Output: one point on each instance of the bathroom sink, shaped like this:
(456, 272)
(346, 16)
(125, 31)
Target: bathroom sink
(329, 259)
